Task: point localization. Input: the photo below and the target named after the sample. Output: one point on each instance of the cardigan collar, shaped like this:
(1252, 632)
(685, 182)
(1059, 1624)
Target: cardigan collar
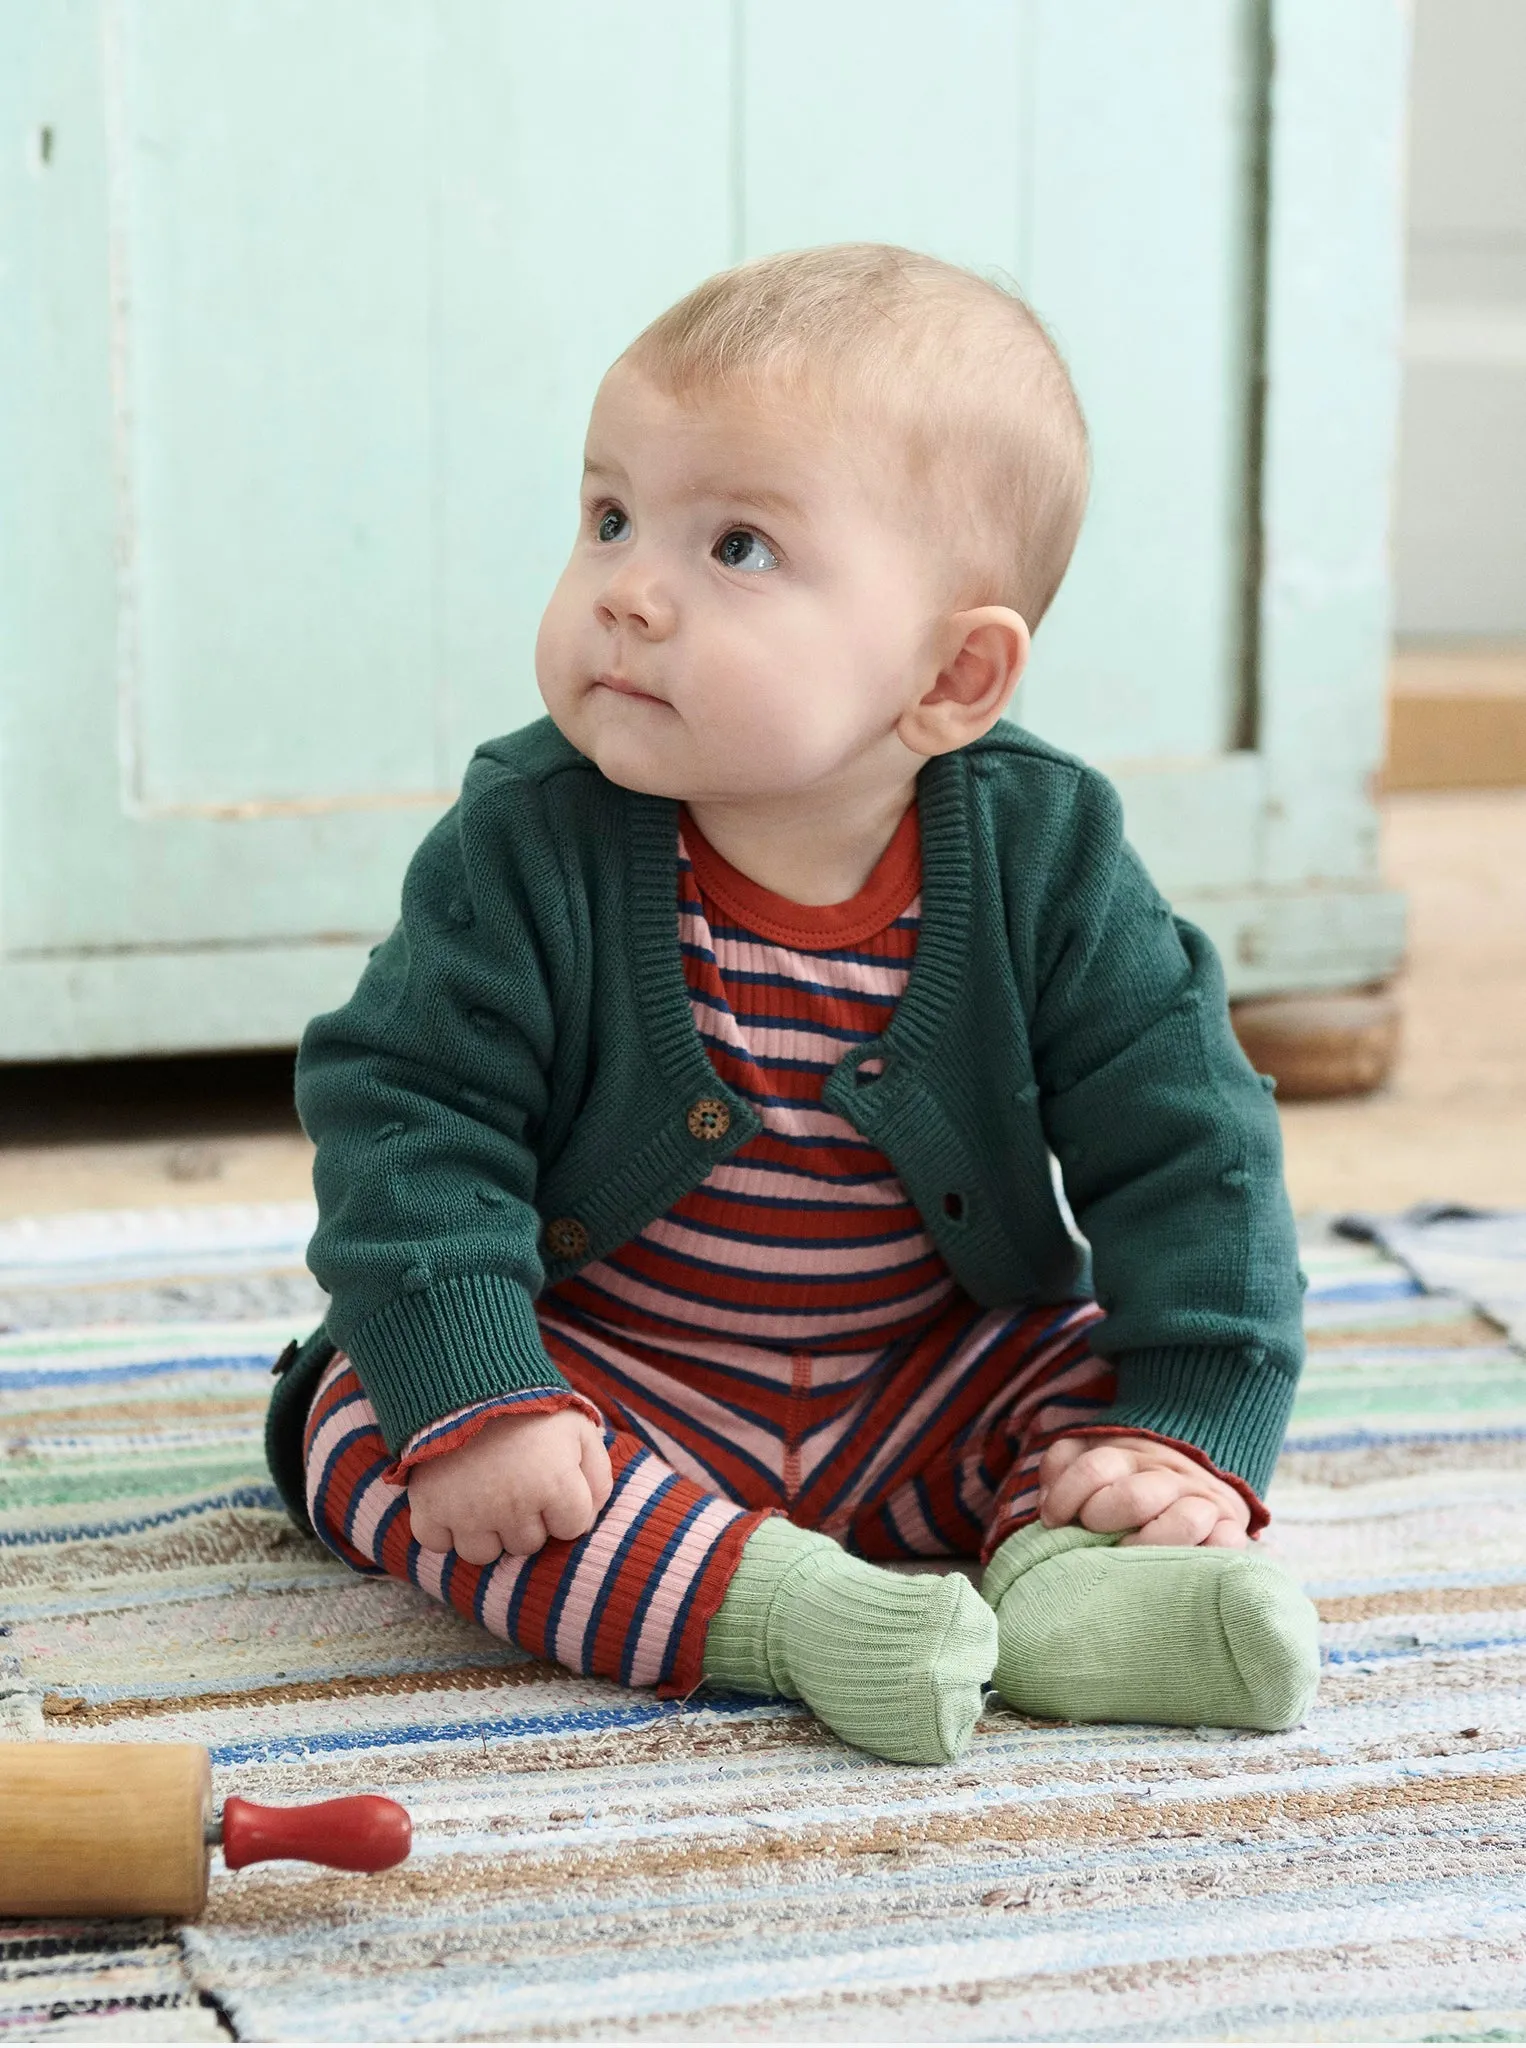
(939, 965)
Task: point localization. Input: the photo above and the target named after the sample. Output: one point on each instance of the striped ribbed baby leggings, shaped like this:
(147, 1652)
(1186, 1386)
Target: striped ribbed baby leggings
(926, 1448)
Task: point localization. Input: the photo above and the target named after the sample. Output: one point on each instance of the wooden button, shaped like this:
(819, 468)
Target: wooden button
(566, 1238)
(709, 1119)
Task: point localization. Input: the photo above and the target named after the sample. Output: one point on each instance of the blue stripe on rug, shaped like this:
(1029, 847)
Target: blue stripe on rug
(79, 1532)
(580, 1720)
(89, 1375)
(1372, 1439)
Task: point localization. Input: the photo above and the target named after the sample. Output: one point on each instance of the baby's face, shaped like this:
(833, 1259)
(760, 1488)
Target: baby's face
(747, 611)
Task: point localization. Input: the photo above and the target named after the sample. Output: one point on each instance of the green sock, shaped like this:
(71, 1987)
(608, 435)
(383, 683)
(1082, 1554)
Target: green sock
(891, 1663)
(1190, 1637)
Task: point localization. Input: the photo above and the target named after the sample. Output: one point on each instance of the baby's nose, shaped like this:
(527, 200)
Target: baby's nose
(637, 600)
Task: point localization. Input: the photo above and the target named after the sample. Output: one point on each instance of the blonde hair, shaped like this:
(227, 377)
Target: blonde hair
(960, 367)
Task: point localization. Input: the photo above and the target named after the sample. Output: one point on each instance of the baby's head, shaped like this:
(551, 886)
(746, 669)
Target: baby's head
(827, 497)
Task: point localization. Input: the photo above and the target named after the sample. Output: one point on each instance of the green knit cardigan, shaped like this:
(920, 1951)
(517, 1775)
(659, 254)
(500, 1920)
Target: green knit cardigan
(511, 1091)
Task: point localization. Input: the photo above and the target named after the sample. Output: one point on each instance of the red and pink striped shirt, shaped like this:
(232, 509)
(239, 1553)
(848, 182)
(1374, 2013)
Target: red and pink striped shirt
(803, 1241)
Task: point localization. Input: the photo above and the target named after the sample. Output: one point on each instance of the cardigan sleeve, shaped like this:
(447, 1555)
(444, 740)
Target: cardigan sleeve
(1171, 1155)
(424, 1094)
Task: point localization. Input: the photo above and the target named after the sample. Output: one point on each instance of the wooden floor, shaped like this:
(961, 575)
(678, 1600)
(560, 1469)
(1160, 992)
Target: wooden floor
(1457, 718)
(1451, 1126)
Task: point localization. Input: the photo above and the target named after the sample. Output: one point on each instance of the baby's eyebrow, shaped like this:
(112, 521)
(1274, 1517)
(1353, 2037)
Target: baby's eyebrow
(727, 491)
(709, 490)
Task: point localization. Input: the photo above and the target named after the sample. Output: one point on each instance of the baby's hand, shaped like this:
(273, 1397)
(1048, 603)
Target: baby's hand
(518, 1481)
(1131, 1482)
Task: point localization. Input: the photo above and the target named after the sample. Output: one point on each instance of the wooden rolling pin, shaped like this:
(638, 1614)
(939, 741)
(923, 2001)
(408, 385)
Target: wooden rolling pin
(128, 1828)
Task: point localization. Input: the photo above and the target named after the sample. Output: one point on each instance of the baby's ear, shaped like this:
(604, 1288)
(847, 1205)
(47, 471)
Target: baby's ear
(984, 654)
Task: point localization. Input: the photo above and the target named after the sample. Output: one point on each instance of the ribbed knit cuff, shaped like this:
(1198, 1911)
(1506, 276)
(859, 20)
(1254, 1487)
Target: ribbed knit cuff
(448, 1433)
(458, 1342)
(1228, 1404)
(736, 1643)
(1025, 1548)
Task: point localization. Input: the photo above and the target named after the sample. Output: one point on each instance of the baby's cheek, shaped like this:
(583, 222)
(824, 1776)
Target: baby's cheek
(764, 710)
(744, 721)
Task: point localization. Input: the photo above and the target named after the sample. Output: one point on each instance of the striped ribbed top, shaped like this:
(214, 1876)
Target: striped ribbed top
(804, 1238)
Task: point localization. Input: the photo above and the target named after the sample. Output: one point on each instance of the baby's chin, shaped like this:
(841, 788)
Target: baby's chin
(658, 756)
(684, 782)
(626, 760)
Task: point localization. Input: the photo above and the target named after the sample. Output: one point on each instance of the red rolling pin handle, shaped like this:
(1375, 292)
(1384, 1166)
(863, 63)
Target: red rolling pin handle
(363, 1833)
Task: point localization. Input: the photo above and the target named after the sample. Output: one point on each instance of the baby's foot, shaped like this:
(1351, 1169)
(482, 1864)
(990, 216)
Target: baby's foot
(892, 1663)
(1193, 1638)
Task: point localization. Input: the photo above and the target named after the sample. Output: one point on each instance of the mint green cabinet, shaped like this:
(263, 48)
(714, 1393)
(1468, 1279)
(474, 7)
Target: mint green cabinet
(302, 303)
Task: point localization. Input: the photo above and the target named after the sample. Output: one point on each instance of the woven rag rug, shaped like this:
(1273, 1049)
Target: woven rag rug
(593, 1863)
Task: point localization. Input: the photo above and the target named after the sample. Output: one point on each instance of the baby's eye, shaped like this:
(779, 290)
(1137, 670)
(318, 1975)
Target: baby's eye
(744, 549)
(613, 524)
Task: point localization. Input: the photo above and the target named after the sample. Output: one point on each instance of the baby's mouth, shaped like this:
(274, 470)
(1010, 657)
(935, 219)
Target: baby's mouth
(624, 687)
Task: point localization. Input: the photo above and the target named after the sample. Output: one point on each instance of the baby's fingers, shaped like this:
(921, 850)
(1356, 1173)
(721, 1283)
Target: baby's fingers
(474, 1546)
(1133, 1502)
(568, 1510)
(429, 1532)
(598, 1473)
(1063, 1498)
(1188, 1521)
(1060, 1456)
(523, 1533)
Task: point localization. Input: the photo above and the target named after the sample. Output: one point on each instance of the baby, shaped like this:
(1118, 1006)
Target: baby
(684, 1156)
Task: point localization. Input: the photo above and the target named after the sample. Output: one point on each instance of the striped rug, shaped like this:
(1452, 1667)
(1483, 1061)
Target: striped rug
(598, 1864)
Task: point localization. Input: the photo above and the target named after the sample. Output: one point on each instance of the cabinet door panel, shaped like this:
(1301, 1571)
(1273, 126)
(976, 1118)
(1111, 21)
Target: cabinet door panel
(1143, 255)
(585, 183)
(296, 349)
(271, 340)
(887, 122)
(1104, 154)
